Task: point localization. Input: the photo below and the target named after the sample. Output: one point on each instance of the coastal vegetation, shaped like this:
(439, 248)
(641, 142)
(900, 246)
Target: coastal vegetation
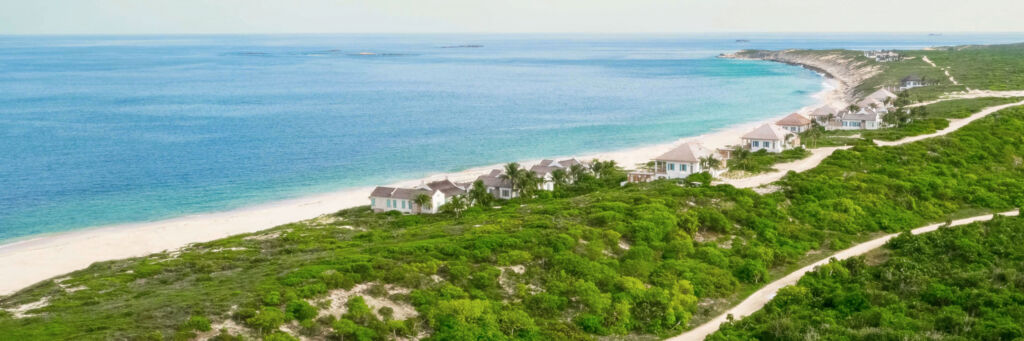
(984, 67)
(590, 259)
(762, 161)
(955, 283)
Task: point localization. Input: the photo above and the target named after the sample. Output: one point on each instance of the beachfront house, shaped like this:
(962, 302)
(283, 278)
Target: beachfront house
(826, 115)
(879, 100)
(795, 123)
(910, 82)
(384, 199)
(545, 168)
(771, 138)
(865, 118)
(498, 186)
(677, 163)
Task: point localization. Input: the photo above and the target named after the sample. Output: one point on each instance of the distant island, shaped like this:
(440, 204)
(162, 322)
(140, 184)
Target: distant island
(470, 46)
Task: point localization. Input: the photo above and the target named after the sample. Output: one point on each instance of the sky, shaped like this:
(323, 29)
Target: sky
(505, 16)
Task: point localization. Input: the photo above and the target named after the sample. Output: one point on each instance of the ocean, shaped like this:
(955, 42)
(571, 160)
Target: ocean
(99, 130)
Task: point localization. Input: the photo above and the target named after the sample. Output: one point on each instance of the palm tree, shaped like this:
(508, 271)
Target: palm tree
(576, 172)
(422, 200)
(710, 163)
(514, 175)
(479, 195)
(455, 206)
(560, 177)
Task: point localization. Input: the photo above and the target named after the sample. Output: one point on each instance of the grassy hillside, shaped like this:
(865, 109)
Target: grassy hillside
(594, 260)
(961, 283)
(985, 67)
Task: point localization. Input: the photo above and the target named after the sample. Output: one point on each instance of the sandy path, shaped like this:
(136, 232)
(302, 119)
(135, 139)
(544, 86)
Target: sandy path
(972, 94)
(929, 61)
(759, 298)
(817, 155)
(954, 125)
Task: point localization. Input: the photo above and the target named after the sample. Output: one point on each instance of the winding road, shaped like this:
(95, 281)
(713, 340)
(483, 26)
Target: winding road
(759, 298)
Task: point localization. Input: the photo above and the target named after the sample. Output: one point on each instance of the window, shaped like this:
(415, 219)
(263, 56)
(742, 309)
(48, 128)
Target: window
(373, 202)
(505, 192)
(756, 143)
(403, 203)
(683, 167)
(388, 203)
(671, 166)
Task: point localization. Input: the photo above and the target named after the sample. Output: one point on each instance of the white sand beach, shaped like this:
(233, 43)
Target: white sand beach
(26, 262)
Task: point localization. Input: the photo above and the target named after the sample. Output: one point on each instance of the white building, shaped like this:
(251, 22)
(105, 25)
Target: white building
(544, 169)
(795, 123)
(865, 118)
(498, 186)
(771, 138)
(826, 115)
(680, 162)
(384, 199)
(910, 82)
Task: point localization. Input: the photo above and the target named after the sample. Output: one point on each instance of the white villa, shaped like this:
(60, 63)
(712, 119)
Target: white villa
(498, 186)
(821, 115)
(544, 169)
(771, 138)
(883, 56)
(795, 123)
(865, 118)
(384, 199)
(910, 82)
(677, 163)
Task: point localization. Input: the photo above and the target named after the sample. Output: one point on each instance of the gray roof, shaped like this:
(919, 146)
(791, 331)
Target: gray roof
(915, 78)
(569, 162)
(447, 187)
(687, 152)
(862, 115)
(825, 110)
(494, 179)
(397, 193)
(542, 170)
(881, 95)
(869, 102)
(546, 162)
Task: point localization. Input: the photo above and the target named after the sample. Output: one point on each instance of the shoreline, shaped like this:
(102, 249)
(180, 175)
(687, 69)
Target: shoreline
(25, 262)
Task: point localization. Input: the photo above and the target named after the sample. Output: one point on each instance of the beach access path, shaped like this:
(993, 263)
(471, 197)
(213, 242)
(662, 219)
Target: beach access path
(759, 298)
(819, 154)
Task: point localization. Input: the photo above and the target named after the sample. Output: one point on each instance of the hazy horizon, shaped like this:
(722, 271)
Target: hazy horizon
(128, 17)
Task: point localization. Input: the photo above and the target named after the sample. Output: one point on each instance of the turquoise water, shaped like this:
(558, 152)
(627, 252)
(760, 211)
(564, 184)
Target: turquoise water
(103, 130)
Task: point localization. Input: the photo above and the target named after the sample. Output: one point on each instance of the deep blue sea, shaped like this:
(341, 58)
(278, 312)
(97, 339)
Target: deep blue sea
(97, 130)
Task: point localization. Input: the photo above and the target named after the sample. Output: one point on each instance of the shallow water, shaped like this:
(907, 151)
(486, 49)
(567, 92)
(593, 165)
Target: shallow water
(102, 130)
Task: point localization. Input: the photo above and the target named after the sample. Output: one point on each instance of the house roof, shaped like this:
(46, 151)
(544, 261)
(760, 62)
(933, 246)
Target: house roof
(909, 78)
(794, 119)
(398, 193)
(869, 102)
(546, 162)
(542, 170)
(862, 115)
(767, 132)
(881, 95)
(825, 110)
(687, 152)
(569, 162)
(447, 187)
(494, 179)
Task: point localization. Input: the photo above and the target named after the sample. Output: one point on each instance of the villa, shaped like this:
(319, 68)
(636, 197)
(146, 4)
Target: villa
(826, 115)
(384, 199)
(910, 82)
(544, 169)
(795, 123)
(771, 138)
(865, 118)
(883, 56)
(498, 186)
(677, 163)
(879, 99)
